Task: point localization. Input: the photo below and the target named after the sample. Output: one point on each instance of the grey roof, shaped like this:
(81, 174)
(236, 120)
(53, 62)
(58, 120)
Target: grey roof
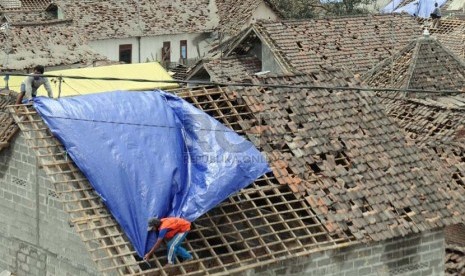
(422, 64)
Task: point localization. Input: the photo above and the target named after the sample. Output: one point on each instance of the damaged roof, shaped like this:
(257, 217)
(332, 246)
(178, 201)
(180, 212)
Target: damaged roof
(349, 160)
(46, 43)
(342, 173)
(229, 69)
(121, 19)
(436, 125)
(422, 64)
(234, 14)
(451, 34)
(351, 43)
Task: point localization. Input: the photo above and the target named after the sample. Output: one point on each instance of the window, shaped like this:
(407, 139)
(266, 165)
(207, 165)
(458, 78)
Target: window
(125, 53)
(166, 52)
(183, 48)
(54, 12)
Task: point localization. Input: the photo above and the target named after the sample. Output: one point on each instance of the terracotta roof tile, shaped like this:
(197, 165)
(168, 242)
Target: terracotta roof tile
(118, 19)
(48, 44)
(352, 43)
(360, 176)
(422, 64)
(235, 14)
(232, 69)
(180, 72)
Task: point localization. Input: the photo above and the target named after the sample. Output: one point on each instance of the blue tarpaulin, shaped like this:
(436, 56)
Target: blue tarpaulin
(391, 6)
(420, 8)
(151, 154)
(330, 1)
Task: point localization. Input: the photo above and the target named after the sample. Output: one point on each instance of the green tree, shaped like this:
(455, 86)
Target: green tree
(298, 9)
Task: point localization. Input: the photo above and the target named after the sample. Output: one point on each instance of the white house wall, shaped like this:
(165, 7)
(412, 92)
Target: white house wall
(151, 47)
(262, 12)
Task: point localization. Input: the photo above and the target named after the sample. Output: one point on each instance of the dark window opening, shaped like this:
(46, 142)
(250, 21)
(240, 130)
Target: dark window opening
(52, 11)
(125, 53)
(183, 50)
(166, 52)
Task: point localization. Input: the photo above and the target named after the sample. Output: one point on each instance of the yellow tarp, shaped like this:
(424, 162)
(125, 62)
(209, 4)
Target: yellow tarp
(71, 87)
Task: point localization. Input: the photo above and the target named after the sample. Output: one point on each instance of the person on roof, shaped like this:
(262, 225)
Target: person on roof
(30, 85)
(173, 229)
(436, 16)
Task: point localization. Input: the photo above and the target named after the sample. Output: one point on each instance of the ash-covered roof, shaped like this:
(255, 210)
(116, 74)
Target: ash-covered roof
(342, 173)
(341, 151)
(234, 14)
(120, 19)
(351, 43)
(422, 64)
(230, 69)
(48, 44)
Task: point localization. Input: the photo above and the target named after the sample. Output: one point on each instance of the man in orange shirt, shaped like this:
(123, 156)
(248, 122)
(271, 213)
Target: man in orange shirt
(172, 228)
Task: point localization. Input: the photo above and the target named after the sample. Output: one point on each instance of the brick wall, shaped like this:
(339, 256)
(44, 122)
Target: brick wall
(35, 234)
(419, 254)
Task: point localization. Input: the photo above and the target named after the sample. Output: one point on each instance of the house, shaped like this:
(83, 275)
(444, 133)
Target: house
(351, 43)
(347, 194)
(166, 31)
(30, 36)
(430, 121)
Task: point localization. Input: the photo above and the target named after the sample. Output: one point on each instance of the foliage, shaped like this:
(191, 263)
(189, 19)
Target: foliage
(298, 9)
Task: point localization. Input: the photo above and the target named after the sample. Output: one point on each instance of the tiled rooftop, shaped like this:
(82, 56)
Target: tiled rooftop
(436, 125)
(47, 44)
(341, 152)
(234, 14)
(422, 64)
(230, 69)
(114, 18)
(179, 72)
(342, 173)
(351, 43)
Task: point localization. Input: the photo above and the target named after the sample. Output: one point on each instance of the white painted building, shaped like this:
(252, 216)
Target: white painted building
(176, 48)
(167, 31)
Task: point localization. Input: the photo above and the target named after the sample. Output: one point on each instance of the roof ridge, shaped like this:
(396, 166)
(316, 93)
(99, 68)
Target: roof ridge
(413, 64)
(335, 17)
(428, 54)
